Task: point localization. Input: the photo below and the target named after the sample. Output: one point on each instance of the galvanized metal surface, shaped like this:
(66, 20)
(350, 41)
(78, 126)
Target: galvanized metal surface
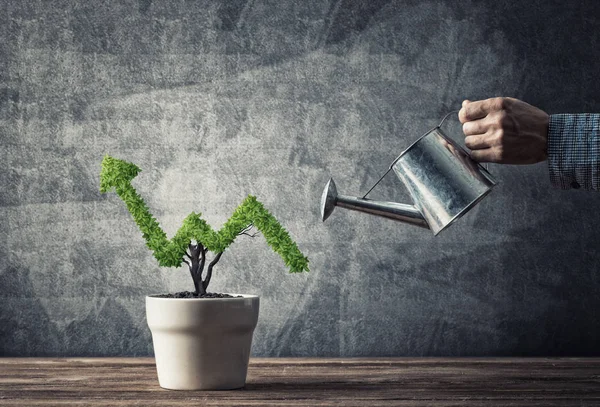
(443, 180)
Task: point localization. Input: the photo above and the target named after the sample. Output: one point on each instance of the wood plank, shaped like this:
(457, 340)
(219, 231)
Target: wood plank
(314, 382)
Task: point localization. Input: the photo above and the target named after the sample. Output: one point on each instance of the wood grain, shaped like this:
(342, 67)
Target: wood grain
(311, 382)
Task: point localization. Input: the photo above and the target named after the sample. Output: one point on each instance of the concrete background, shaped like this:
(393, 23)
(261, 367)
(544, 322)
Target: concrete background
(215, 100)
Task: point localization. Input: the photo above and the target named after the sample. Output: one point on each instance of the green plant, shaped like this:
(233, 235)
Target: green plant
(118, 174)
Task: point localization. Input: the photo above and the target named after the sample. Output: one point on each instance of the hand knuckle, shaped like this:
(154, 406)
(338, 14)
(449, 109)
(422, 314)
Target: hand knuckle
(501, 103)
(503, 114)
(496, 122)
(495, 104)
(500, 136)
(506, 120)
(500, 154)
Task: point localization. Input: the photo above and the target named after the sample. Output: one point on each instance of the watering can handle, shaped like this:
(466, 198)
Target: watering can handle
(397, 158)
(445, 117)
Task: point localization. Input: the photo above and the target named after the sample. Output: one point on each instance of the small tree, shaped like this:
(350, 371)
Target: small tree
(195, 237)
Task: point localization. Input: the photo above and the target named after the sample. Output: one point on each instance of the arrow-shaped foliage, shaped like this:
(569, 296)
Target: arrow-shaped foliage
(169, 253)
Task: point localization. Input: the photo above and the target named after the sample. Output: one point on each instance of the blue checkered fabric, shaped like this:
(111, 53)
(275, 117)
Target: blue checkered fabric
(574, 151)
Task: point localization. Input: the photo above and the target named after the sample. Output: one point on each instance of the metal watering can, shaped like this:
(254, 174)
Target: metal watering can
(442, 178)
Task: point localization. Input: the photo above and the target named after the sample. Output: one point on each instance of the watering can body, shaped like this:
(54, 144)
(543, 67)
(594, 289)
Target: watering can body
(441, 177)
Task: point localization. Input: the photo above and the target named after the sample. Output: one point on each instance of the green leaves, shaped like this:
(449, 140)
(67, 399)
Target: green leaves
(116, 172)
(169, 253)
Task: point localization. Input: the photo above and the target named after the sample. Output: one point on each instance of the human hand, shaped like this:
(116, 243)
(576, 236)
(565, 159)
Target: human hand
(505, 130)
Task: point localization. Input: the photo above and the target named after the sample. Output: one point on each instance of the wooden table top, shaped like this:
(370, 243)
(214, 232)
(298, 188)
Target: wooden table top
(311, 382)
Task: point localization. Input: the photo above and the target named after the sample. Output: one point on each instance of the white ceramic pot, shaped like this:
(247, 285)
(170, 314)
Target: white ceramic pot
(202, 343)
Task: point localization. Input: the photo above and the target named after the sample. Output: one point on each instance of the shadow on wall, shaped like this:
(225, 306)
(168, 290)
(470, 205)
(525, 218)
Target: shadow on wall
(27, 330)
(343, 17)
(559, 72)
(346, 17)
(554, 300)
(482, 307)
(230, 13)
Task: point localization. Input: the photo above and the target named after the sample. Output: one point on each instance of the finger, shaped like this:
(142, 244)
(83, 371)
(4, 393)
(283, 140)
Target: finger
(481, 108)
(483, 156)
(462, 114)
(480, 126)
(478, 142)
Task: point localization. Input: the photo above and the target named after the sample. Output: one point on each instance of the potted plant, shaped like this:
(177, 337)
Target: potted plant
(201, 340)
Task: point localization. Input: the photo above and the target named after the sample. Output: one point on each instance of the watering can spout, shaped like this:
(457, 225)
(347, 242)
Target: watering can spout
(392, 210)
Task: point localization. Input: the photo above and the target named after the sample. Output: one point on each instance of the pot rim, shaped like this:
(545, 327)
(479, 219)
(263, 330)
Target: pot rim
(235, 298)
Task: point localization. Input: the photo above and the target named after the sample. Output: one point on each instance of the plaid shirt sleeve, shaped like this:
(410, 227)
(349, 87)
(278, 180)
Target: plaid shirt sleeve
(574, 151)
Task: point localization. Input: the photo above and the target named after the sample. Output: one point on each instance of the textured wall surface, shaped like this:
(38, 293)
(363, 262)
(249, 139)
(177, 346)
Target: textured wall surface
(215, 100)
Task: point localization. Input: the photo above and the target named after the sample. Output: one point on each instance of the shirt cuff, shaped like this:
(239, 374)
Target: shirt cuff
(574, 151)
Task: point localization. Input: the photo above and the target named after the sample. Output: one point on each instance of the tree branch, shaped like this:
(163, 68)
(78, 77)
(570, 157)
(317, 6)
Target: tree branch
(246, 229)
(209, 270)
(201, 268)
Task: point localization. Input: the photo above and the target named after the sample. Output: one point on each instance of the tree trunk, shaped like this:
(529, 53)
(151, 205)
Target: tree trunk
(197, 257)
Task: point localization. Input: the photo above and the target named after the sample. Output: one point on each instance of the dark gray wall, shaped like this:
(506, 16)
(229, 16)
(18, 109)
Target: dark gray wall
(216, 100)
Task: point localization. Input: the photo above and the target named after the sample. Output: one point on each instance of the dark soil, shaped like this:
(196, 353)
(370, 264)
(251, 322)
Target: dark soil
(190, 294)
